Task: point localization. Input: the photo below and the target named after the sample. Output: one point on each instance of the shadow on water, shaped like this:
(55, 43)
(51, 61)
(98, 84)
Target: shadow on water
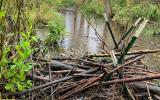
(83, 39)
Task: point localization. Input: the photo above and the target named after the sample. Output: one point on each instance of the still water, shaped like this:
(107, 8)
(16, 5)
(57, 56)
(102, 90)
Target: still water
(82, 38)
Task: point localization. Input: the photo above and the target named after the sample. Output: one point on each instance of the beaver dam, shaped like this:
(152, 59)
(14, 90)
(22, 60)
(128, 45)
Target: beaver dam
(116, 73)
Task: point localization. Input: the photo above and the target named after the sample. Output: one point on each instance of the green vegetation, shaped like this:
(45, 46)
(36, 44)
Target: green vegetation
(93, 7)
(47, 16)
(16, 36)
(127, 10)
(56, 28)
(124, 11)
(15, 67)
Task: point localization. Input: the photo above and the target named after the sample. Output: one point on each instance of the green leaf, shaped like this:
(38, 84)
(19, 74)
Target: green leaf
(34, 38)
(13, 67)
(25, 44)
(18, 48)
(15, 73)
(2, 14)
(0, 76)
(20, 87)
(8, 74)
(28, 67)
(21, 76)
(29, 83)
(24, 35)
(9, 86)
(15, 80)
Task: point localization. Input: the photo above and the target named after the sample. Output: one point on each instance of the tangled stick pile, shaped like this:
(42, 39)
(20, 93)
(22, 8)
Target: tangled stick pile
(118, 74)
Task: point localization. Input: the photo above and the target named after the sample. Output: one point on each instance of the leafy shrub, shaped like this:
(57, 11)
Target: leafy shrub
(128, 10)
(93, 6)
(68, 3)
(56, 28)
(14, 65)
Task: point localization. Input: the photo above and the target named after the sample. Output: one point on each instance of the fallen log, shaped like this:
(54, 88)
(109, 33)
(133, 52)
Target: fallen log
(58, 64)
(142, 86)
(129, 53)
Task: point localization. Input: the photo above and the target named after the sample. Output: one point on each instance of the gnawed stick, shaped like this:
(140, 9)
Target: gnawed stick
(110, 30)
(131, 29)
(129, 53)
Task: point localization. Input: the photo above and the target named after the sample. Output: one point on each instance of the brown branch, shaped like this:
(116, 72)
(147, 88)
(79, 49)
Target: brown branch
(129, 53)
(128, 80)
(81, 87)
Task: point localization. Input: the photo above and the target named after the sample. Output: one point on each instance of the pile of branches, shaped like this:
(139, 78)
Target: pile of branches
(117, 74)
(92, 77)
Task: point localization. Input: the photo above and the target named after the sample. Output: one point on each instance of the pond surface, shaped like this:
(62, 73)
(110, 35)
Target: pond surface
(82, 35)
(82, 38)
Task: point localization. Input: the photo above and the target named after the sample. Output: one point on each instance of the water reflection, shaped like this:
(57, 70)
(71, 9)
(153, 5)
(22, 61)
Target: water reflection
(82, 37)
(145, 42)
